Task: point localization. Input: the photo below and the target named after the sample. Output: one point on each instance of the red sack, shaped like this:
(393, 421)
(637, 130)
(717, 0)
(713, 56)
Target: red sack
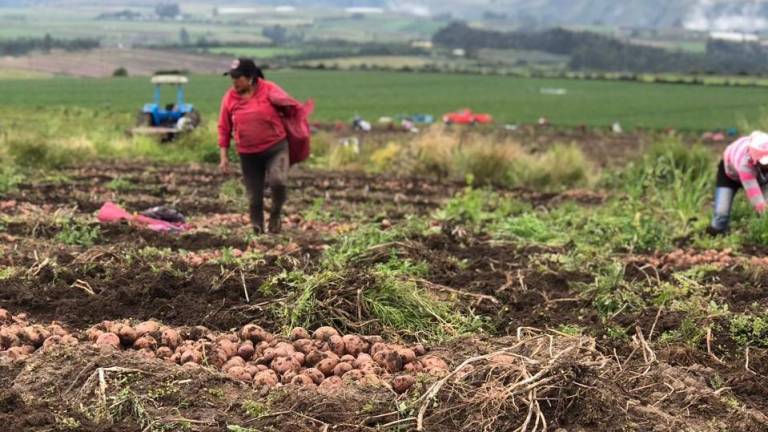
(295, 120)
(299, 135)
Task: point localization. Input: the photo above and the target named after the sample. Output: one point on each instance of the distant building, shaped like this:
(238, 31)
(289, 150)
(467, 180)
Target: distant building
(364, 10)
(734, 37)
(237, 10)
(425, 44)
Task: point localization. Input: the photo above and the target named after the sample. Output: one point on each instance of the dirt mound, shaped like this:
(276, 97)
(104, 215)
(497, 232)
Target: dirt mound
(85, 294)
(498, 279)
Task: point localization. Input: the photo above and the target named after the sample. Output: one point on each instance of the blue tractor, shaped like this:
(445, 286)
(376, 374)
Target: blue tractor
(172, 119)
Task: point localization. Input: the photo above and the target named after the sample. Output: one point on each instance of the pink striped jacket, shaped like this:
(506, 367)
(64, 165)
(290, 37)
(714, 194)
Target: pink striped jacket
(740, 167)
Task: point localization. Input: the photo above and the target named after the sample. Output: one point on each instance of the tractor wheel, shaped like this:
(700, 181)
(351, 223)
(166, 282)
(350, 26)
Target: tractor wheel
(143, 119)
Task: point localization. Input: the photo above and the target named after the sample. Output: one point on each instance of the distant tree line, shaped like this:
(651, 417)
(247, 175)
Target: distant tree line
(592, 51)
(21, 46)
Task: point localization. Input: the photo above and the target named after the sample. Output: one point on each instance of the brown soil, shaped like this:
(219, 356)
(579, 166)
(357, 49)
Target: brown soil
(509, 283)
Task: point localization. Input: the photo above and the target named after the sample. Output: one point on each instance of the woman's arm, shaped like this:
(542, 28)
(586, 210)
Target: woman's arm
(225, 135)
(748, 177)
(280, 99)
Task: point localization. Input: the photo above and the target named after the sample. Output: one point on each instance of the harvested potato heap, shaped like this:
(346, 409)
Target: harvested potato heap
(325, 358)
(689, 258)
(19, 338)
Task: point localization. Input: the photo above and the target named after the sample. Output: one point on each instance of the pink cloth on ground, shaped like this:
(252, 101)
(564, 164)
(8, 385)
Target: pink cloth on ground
(111, 213)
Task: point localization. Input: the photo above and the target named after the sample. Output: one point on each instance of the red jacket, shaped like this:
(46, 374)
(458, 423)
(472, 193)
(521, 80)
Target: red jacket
(264, 119)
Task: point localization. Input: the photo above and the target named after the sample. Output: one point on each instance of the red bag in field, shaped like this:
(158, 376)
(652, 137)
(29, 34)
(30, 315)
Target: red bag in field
(295, 120)
(299, 134)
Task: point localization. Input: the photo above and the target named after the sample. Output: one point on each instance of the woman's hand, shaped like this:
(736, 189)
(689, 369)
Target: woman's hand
(224, 161)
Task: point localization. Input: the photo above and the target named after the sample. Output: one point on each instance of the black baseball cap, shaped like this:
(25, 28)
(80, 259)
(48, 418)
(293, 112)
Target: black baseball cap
(244, 67)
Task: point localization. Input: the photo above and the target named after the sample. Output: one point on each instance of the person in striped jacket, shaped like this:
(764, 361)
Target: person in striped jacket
(744, 165)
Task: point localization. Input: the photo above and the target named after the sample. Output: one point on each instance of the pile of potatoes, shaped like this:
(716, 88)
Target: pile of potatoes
(323, 359)
(19, 338)
(689, 258)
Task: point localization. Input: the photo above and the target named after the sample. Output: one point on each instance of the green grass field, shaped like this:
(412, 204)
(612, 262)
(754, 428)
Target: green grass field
(340, 95)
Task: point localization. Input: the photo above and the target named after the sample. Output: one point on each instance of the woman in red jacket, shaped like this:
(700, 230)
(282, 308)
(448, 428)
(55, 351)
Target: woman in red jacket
(251, 113)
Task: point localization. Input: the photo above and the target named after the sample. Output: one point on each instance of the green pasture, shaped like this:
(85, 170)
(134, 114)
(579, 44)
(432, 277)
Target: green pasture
(342, 94)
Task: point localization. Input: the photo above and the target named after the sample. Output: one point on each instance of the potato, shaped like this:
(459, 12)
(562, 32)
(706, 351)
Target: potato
(93, 334)
(331, 385)
(377, 347)
(108, 339)
(252, 369)
(371, 369)
(170, 338)
(299, 333)
(262, 367)
(347, 358)
(254, 333)
(218, 358)
(18, 354)
(287, 377)
(190, 356)
(284, 349)
(370, 379)
(407, 354)
(327, 366)
(354, 345)
(353, 375)
(389, 359)
(402, 383)
(5, 316)
(303, 346)
(325, 333)
(127, 335)
(303, 380)
(246, 350)
(8, 339)
(34, 335)
(196, 333)
(419, 349)
(164, 353)
(145, 342)
(315, 374)
(299, 357)
(413, 367)
(235, 361)
(191, 366)
(281, 365)
(433, 364)
(57, 330)
(228, 347)
(69, 340)
(113, 326)
(313, 358)
(341, 369)
(362, 359)
(266, 378)
(372, 340)
(238, 373)
(336, 344)
(51, 342)
(147, 327)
